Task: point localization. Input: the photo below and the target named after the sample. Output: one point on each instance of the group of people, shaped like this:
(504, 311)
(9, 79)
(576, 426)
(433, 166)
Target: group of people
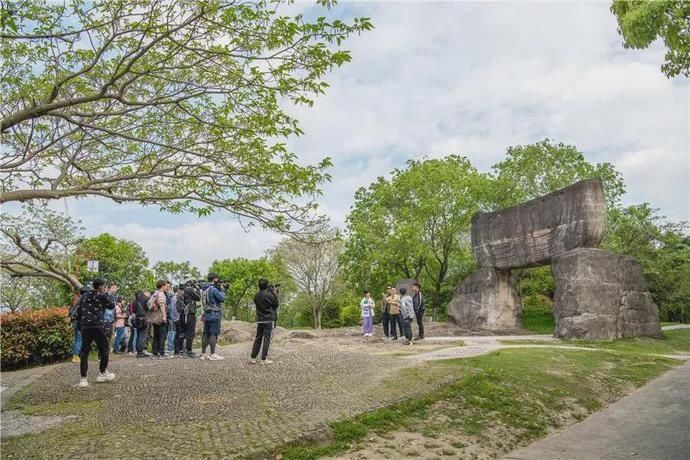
(166, 315)
(399, 311)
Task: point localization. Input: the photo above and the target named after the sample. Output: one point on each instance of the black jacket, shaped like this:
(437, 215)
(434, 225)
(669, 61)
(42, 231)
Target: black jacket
(188, 300)
(141, 307)
(91, 307)
(266, 306)
(418, 301)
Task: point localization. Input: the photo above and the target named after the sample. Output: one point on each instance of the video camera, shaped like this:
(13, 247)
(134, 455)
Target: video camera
(274, 289)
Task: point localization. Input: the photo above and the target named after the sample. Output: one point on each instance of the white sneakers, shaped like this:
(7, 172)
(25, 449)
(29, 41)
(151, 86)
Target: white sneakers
(266, 361)
(252, 361)
(213, 357)
(106, 376)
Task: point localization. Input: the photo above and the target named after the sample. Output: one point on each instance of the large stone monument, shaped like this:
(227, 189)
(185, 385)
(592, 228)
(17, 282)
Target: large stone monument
(599, 295)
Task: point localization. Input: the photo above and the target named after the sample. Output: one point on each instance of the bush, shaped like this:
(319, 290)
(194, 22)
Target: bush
(35, 337)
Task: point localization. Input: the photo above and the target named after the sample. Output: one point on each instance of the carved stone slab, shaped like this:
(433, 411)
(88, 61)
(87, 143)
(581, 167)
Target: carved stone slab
(602, 295)
(531, 233)
(486, 300)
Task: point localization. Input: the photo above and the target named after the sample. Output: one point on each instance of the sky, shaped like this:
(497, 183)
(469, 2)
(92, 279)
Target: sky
(468, 78)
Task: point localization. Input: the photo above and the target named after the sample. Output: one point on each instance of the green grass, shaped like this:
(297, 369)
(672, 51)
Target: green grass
(674, 341)
(538, 321)
(526, 391)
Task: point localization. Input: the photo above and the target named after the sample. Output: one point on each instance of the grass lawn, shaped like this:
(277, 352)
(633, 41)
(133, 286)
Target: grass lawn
(499, 401)
(538, 321)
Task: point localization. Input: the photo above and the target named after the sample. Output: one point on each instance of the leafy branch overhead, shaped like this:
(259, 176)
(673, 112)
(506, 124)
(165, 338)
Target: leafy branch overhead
(172, 103)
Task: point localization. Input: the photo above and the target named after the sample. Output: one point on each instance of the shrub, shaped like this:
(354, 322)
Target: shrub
(35, 337)
(538, 302)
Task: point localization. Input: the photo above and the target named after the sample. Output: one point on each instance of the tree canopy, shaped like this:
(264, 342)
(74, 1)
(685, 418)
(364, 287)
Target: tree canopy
(414, 223)
(40, 242)
(640, 23)
(121, 261)
(178, 104)
(175, 272)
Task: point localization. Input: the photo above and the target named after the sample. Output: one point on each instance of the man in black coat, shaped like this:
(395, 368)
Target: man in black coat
(187, 298)
(89, 317)
(419, 307)
(266, 314)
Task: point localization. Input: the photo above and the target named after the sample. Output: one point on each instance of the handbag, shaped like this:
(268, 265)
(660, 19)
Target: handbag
(154, 315)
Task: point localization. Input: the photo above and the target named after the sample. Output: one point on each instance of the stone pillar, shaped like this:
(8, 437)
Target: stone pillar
(602, 296)
(486, 300)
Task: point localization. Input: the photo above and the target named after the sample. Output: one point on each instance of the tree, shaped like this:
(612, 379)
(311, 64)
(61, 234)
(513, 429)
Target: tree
(415, 224)
(530, 171)
(242, 276)
(121, 261)
(175, 272)
(40, 243)
(313, 265)
(640, 23)
(14, 293)
(31, 292)
(177, 104)
(663, 250)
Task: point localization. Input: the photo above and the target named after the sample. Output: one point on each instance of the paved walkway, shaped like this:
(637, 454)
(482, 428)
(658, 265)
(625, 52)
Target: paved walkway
(11, 382)
(651, 423)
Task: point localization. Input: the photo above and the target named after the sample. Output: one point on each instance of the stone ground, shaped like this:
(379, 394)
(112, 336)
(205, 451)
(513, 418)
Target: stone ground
(184, 408)
(212, 409)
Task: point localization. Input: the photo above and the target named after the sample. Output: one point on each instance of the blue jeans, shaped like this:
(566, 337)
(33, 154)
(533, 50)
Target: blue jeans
(171, 336)
(132, 343)
(76, 349)
(119, 333)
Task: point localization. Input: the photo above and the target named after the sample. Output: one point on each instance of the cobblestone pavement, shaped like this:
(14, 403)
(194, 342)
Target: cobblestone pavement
(11, 382)
(188, 408)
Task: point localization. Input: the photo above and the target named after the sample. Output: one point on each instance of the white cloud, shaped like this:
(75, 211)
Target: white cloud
(200, 243)
(463, 78)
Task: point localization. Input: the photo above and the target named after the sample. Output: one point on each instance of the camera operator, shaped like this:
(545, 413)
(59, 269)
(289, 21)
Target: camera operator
(266, 301)
(212, 296)
(187, 298)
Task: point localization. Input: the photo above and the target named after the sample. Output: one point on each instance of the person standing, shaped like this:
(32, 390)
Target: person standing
(109, 315)
(141, 309)
(418, 304)
(186, 305)
(90, 321)
(386, 315)
(159, 302)
(395, 322)
(266, 314)
(120, 316)
(367, 306)
(76, 348)
(173, 318)
(212, 296)
(406, 315)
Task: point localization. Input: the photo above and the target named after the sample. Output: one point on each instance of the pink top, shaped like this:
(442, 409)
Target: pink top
(119, 316)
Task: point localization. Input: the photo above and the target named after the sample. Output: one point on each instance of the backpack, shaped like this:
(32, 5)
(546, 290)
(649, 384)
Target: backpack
(206, 304)
(180, 305)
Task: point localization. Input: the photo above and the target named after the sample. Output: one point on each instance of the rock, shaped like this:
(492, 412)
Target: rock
(486, 300)
(531, 233)
(301, 335)
(602, 295)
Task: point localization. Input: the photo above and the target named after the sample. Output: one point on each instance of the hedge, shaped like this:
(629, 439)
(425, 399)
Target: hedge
(35, 337)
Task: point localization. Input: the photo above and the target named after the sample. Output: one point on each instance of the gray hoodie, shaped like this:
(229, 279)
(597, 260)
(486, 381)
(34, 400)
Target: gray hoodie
(406, 308)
